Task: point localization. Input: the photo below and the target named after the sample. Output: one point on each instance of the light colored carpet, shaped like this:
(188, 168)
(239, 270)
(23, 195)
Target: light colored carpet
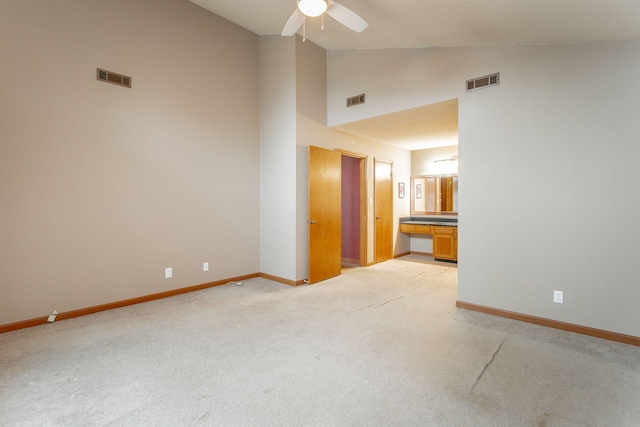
(378, 346)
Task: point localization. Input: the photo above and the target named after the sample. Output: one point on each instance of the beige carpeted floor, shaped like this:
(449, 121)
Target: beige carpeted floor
(377, 346)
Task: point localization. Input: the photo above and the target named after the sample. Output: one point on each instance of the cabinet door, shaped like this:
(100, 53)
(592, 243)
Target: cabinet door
(444, 243)
(455, 240)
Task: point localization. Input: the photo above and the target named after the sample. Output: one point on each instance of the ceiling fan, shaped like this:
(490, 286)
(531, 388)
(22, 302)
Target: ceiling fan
(313, 8)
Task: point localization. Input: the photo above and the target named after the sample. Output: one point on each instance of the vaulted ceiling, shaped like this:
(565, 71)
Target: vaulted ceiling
(441, 23)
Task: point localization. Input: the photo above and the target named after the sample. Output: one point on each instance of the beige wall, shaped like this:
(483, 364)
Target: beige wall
(293, 95)
(278, 156)
(102, 187)
(311, 104)
(538, 154)
(423, 162)
(312, 130)
(311, 80)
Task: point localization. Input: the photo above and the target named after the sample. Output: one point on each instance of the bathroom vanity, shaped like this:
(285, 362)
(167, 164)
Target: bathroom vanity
(444, 232)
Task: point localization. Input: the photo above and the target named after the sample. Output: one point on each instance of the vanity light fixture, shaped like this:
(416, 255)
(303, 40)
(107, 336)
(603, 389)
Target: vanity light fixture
(453, 159)
(446, 166)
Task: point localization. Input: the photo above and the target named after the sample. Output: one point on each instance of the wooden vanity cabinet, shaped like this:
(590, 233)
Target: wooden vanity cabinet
(445, 243)
(445, 239)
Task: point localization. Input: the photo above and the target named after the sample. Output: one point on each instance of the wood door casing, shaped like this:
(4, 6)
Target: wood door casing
(383, 210)
(324, 219)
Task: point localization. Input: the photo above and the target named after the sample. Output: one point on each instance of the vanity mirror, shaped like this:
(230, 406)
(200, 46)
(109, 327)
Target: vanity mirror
(434, 193)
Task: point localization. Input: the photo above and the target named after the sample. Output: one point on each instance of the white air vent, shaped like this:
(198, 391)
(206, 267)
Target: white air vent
(484, 81)
(115, 78)
(355, 100)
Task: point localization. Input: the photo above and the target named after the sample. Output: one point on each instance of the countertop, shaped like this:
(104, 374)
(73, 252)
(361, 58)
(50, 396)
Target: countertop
(422, 220)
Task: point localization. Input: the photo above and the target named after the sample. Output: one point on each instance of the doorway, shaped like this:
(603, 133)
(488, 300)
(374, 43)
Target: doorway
(336, 183)
(354, 209)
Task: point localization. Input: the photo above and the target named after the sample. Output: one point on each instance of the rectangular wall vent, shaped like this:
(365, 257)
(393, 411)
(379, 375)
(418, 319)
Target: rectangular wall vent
(484, 81)
(115, 78)
(355, 100)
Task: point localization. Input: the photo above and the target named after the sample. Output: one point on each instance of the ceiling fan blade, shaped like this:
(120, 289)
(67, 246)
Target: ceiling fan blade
(346, 17)
(293, 24)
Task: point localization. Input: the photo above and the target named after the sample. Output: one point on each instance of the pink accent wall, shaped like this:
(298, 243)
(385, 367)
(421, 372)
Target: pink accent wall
(350, 207)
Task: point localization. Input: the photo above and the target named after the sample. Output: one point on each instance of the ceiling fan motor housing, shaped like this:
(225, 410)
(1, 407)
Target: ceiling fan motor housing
(312, 8)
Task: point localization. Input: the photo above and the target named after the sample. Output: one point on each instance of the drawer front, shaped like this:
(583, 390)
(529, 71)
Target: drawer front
(444, 230)
(423, 229)
(407, 228)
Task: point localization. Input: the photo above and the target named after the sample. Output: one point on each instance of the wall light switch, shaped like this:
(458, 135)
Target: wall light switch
(205, 266)
(168, 273)
(558, 297)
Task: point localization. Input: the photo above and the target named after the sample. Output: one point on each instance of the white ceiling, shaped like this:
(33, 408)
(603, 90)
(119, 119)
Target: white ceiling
(434, 125)
(441, 23)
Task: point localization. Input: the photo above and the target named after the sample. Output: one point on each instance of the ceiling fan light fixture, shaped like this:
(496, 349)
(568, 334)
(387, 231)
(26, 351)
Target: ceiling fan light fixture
(312, 8)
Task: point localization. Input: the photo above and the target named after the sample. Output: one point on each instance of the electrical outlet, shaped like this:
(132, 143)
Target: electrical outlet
(52, 317)
(168, 273)
(205, 266)
(558, 297)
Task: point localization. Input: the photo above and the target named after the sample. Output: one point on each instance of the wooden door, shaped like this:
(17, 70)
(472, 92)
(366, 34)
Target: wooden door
(383, 210)
(324, 219)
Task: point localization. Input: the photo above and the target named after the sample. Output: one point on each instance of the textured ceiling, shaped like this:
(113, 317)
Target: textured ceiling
(438, 23)
(441, 23)
(434, 125)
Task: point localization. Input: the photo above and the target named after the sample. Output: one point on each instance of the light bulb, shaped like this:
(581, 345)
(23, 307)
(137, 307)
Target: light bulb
(312, 8)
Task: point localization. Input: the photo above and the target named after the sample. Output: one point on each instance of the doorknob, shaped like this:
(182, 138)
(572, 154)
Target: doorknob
(311, 221)
(378, 217)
